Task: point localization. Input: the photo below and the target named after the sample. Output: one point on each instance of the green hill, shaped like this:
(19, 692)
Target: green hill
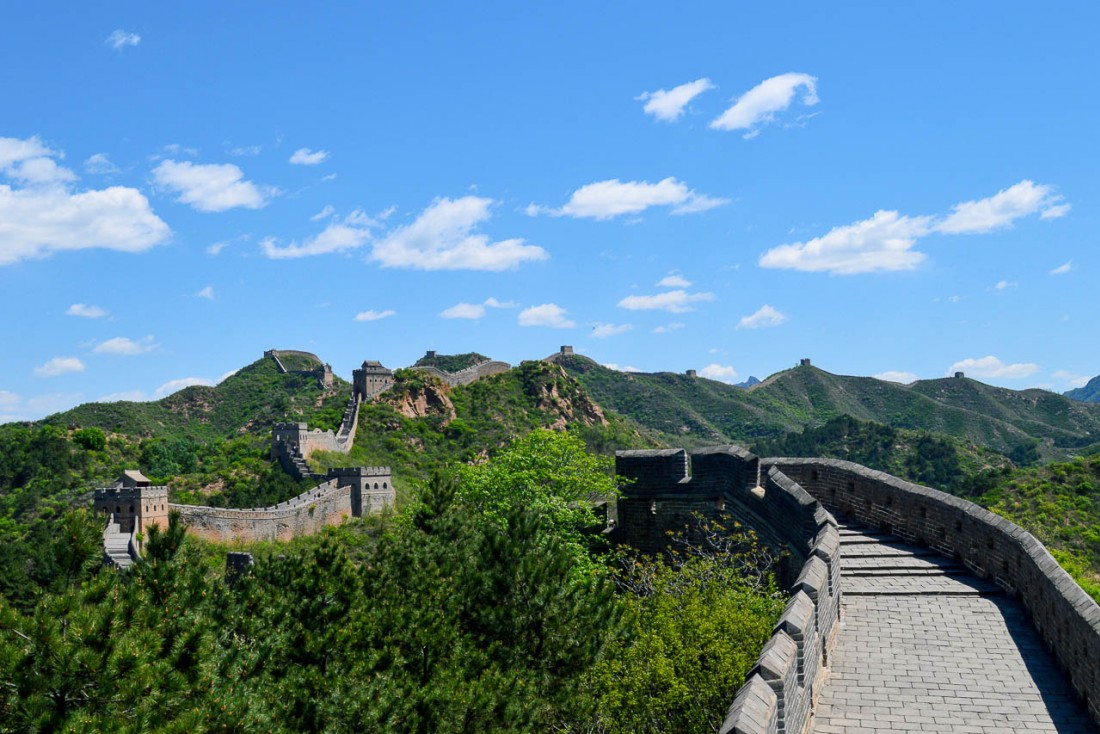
(247, 402)
(451, 362)
(1090, 393)
(697, 411)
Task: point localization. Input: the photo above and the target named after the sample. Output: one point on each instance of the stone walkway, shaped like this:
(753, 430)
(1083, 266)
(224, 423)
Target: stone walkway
(926, 646)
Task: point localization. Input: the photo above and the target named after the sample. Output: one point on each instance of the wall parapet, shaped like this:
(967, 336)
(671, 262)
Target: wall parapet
(992, 547)
(667, 486)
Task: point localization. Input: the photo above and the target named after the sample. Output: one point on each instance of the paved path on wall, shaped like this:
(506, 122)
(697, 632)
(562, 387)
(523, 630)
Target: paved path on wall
(926, 646)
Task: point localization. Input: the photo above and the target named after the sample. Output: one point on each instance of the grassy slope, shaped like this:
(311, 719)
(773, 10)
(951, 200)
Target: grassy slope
(247, 402)
(700, 411)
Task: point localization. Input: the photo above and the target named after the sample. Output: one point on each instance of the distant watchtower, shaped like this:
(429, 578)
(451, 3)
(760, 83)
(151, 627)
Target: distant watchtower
(691, 373)
(566, 351)
(371, 379)
(805, 362)
(960, 375)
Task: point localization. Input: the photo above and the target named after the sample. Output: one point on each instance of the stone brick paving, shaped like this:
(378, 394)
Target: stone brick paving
(925, 646)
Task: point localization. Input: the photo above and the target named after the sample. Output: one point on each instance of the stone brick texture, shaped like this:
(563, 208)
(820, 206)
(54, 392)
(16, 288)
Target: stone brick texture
(990, 546)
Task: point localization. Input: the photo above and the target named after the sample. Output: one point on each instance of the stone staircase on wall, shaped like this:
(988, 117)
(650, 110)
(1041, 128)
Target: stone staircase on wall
(116, 546)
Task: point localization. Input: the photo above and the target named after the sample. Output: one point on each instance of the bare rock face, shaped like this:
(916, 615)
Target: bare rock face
(431, 399)
(569, 405)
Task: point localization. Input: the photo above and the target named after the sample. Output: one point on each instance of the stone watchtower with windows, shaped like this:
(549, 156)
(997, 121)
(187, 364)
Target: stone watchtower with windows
(370, 380)
(134, 503)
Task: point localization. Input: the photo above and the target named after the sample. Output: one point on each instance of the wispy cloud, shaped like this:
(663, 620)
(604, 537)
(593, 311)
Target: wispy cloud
(336, 237)
(373, 315)
(1003, 285)
(445, 237)
(993, 367)
(120, 39)
(471, 311)
(125, 347)
(307, 157)
(212, 187)
(760, 105)
(86, 311)
(904, 378)
(669, 328)
(59, 366)
(546, 314)
(763, 317)
(173, 386)
(673, 281)
(325, 213)
(1062, 269)
(207, 292)
(677, 301)
(100, 164)
(1070, 378)
(668, 105)
(613, 198)
(603, 331)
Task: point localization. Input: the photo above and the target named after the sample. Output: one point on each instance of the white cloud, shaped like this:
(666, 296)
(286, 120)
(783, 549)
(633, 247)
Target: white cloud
(763, 317)
(100, 164)
(613, 198)
(125, 347)
(328, 211)
(88, 312)
(669, 104)
(494, 303)
(47, 215)
(130, 396)
(672, 301)
(175, 385)
(215, 249)
(472, 311)
(547, 314)
(722, 373)
(336, 237)
(673, 281)
(1003, 285)
(897, 376)
(1002, 209)
(1062, 269)
(59, 366)
(244, 150)
(882, 243)
(669, 328)
(373, 315)
(207, 292)
(30, 162)
(120, 39)
(617, 368)
(603, 331)
(212, 187)
(444, 237)
(307, 157)
(1070, 378)
(759, 106)
(1055, 211)
(992, 367)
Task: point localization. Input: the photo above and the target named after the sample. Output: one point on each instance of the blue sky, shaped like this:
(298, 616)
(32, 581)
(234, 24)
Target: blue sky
(894, 189)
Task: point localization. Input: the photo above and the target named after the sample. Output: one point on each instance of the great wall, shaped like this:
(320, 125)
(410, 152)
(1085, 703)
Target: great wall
(908, 609)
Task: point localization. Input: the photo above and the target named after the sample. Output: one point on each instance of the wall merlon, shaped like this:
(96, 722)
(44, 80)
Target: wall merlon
(753, 710)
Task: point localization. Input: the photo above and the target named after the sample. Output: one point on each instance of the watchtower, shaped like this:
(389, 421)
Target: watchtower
(371, 379)
(134, 502)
